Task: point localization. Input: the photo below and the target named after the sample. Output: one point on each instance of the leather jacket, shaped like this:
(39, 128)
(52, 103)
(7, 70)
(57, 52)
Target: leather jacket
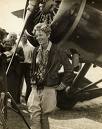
(57, 58)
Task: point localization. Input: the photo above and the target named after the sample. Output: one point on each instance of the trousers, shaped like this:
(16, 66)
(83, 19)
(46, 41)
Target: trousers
(40, 104)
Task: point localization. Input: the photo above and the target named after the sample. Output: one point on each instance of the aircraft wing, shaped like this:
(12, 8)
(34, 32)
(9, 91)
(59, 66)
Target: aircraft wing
(18, 13)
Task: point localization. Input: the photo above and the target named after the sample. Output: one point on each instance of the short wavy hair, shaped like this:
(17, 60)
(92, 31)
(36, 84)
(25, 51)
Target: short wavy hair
(3, 33)
(44, 27)
(12, 35)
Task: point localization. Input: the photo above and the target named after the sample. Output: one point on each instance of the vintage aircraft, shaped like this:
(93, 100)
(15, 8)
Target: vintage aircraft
(76, 25)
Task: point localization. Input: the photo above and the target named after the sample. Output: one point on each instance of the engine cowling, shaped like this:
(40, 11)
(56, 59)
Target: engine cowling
(86, 38)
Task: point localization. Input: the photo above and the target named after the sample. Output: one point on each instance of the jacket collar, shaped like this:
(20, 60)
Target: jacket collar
(48, 47)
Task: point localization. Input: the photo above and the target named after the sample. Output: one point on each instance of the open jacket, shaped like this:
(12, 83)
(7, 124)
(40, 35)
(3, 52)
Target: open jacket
(58, 57)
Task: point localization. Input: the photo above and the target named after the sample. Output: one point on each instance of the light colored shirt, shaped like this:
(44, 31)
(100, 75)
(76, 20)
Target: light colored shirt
(28, 52)
(42, 60)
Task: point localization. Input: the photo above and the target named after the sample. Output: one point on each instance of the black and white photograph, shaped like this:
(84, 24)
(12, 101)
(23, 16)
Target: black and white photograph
(51, 64)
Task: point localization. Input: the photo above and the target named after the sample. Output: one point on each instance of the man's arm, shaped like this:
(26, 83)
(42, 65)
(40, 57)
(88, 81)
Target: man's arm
(25, 9)
(29, 8)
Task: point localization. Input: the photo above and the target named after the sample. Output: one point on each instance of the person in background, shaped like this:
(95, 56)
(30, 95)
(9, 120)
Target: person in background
(14, 72)
(47, 60)
(26, 65)
(3, 35)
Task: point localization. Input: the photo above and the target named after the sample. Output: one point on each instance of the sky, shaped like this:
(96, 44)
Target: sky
(7, 20)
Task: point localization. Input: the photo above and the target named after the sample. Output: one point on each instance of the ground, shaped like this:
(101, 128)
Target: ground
(86, 115)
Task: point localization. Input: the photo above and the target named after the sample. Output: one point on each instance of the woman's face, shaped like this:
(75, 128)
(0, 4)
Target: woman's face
(41, 37)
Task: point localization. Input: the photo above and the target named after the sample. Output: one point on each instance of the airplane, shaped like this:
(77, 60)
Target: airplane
(76, 25)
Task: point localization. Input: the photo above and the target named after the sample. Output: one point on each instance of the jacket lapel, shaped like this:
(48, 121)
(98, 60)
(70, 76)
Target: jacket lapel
(52, 57)
(33, 67)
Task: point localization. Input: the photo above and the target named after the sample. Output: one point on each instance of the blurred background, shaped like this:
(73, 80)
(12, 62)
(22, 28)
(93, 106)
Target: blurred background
(9, 21)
